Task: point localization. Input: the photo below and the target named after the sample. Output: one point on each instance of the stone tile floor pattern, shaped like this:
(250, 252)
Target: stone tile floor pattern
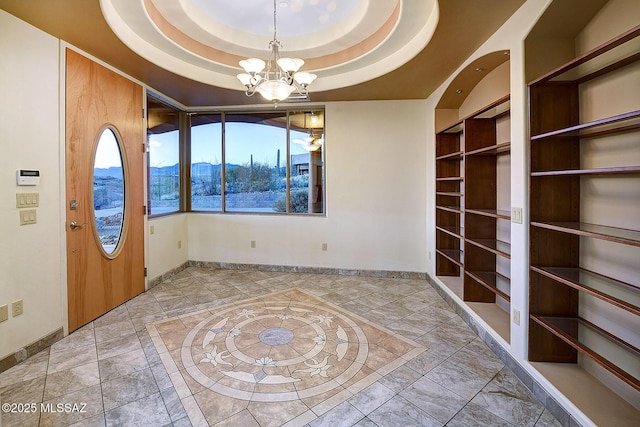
(145, 362)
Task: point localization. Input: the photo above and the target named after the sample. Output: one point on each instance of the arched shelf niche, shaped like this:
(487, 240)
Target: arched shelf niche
(473, 193)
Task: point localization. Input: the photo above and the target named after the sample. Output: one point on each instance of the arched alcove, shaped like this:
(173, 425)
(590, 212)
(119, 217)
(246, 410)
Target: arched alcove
(482, 81)
(473, 189)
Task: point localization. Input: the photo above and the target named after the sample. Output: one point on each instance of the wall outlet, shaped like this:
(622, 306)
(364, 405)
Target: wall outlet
(253, 244)
(516, 316)
(17, 308)
(324, 246)
(4, 313)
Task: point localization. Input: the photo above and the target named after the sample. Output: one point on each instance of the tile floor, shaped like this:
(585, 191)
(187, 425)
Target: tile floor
(295, 349)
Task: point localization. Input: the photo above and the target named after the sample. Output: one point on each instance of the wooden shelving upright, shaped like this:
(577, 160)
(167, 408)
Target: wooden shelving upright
(483, 282)
(449, 201)
(560, 270)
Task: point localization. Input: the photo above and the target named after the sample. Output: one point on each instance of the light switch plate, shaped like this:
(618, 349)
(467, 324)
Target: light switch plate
(17, 308)
(28, 216)
(4, 313)
(27, 200)
(516, 215)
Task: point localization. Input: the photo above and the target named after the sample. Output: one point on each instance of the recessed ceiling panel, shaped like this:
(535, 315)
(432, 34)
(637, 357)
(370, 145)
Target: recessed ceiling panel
(344, 42)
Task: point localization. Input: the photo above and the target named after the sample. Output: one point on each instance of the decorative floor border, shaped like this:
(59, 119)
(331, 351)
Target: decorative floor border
(239, 352)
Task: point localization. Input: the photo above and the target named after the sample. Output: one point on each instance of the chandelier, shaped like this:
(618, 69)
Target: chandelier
(311, 143)
(315, 140)
(281, 76)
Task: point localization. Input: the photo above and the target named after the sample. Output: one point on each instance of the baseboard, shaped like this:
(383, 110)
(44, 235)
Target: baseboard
(26, 352)
(309, 270)
(167, 275)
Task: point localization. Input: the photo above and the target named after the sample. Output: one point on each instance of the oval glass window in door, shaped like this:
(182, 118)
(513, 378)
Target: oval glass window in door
(108, 191)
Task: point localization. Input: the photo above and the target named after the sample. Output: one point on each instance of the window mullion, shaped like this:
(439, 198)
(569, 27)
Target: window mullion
(185, 162)
(223, 167)
(288, 172)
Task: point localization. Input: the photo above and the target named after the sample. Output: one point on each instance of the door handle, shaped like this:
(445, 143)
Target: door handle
(75, 225)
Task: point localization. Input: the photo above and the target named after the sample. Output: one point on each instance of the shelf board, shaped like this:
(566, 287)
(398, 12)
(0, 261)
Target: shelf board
(454, 209)
(597, 401)
(613, 130)
(566, 328)
(449, 194)
(599, 171)
(489, 279)
(454, 283)
(613, 234)
(497, 247)
(497, 108)
(504, 147)
(576, 130)
(453, 129)
(450, 178)
(453, 255)
(593, 53)
(493, 213)
(451, 156)
(494, 316)
(606, 288)
(453, 231)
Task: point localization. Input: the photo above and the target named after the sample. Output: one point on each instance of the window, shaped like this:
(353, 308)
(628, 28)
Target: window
(307, 161)
(163, 141)
(255, 160)
(206, 162)
(267, 161)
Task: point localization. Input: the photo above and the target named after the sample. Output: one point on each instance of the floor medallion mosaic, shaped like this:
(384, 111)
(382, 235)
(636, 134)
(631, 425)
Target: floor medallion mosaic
(289, 356)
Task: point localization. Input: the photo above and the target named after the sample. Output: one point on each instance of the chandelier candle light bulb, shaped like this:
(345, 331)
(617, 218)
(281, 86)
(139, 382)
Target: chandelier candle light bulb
(280, 78)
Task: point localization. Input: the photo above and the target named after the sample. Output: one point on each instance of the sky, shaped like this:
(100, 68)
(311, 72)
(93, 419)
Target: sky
(206, 146)
(107, 152)
(241, 144)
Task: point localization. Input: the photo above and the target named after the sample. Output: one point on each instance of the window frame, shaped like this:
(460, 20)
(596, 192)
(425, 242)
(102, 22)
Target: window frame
(182, 144)
(185, 160)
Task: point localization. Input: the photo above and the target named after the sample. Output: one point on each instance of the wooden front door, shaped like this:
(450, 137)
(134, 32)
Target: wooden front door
(102, 275)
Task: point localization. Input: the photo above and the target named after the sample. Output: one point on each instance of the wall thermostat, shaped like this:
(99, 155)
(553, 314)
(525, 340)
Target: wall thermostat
(27, 177)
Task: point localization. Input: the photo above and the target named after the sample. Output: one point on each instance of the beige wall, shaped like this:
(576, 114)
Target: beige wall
(30, 255)
(493, 86)
(375, 201)
(168, 244)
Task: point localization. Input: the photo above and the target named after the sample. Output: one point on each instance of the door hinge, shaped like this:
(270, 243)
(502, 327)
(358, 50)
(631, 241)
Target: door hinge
(143, 113)
(144, 210)
(145, 272)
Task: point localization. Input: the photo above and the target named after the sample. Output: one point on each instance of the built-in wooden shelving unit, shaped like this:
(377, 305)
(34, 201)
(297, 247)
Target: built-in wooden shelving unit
(472, 224)
(580, 273)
